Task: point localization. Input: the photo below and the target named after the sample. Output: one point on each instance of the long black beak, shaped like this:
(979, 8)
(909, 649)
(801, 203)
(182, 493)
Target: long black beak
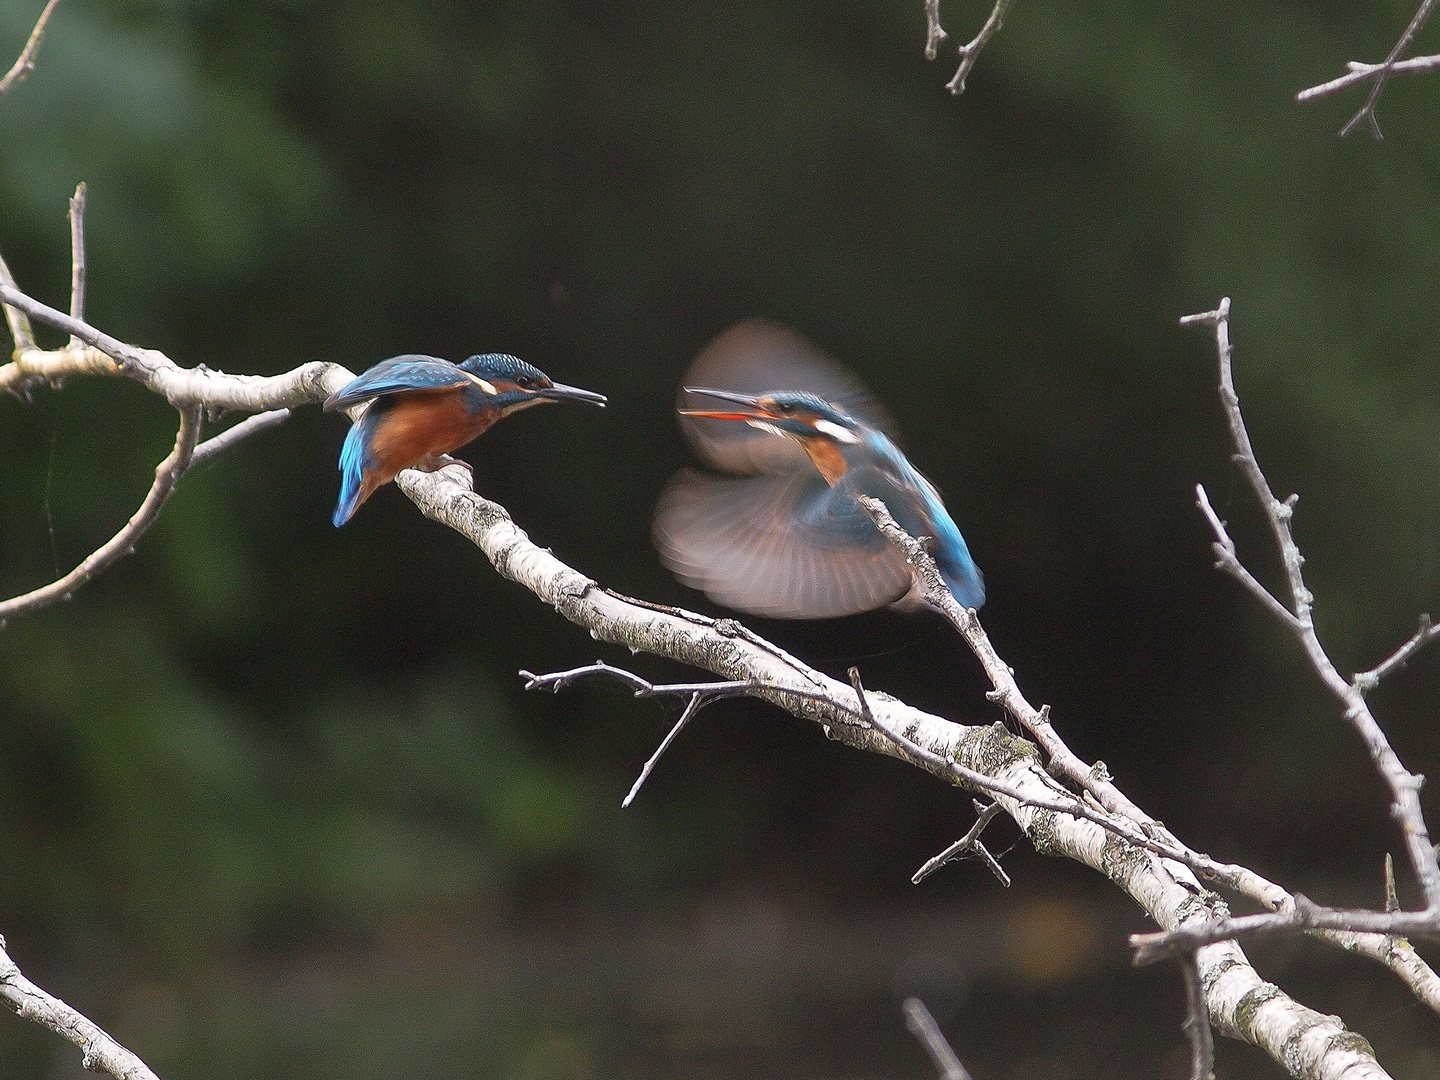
(724, 395)
(561, 392)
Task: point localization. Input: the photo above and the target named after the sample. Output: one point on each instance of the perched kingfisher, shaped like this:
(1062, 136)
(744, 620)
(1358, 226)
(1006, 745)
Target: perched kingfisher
(423, 408)
(788, 538)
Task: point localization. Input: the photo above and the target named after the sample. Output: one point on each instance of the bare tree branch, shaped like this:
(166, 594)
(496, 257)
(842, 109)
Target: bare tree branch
(968, 843)
(20, 331)
(935, 34)
(1367, 111)
(971, 52)
(1360, 73)
(922, 1025)
(251, 425)
(1404, 785)
(167, 474)
(101, 1053)
(1378, 74)
(1197, 1022)
(1382, 946)
(77, 257)
(26, 63)
(1365, 681)
(1227, 560)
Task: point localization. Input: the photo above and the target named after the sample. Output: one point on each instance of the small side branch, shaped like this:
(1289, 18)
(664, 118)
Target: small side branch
(167, 474)
(1360, 73)
(1227, 560)
(922, 1025)
(101, 1053)
(700, 694)
(1197, 1021)
(1365, 681)
(968, 844)
(934, 34)
(251, 425)
(77, 258)
(26, 63)
(971, 52)
(1366, 114)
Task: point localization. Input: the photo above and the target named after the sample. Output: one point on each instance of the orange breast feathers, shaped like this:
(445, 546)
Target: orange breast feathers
(420, 424)
(827, 458)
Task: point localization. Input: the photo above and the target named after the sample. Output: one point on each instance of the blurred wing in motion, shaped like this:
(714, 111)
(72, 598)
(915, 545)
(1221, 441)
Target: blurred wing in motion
(754, 357)
(783, 545)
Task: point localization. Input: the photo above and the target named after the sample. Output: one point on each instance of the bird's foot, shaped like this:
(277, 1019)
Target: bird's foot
(436, 462)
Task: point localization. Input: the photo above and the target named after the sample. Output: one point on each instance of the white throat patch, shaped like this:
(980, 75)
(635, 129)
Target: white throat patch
(761, 425)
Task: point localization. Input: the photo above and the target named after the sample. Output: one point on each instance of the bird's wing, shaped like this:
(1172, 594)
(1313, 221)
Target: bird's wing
(782, 545)
(396, 375)
(754, 357)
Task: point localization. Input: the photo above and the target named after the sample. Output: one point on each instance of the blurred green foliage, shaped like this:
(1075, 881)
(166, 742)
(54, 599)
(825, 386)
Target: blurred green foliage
(262, 749)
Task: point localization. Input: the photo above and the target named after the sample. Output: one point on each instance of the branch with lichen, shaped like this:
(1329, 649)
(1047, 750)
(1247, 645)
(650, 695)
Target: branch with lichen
(1090, 821)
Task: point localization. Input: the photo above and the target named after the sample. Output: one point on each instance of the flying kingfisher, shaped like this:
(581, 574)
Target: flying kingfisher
(423, 407)
(787, 537)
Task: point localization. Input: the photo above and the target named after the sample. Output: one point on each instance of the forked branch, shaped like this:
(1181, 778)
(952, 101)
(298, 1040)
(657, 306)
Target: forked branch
(1377, 74)
(969, 53)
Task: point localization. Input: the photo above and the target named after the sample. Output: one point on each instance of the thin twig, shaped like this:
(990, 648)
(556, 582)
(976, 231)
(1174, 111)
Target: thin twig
(26, 63)
(243, 430)
(1227, 560)
(77, 258)
(1304, 914)
(16, 317)
(701, 694)
(1404, 785)
(100, 1052)
(1197, 1021)
(1360, 73)
(971, 52)
(695, 704)
(1367, 111)
(922, 1025)
(934, 32)
(167, 474)
(1365, 681)
(967, 843)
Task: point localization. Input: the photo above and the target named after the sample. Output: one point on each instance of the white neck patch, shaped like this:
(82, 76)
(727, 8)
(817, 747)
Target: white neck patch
(836, 432)
(489, 388)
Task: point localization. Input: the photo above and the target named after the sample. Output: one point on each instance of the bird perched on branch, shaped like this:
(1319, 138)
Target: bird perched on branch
(423, 407)
(788, 538)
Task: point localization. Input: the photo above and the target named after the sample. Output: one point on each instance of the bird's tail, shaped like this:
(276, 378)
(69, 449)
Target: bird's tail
(352, 470)
(966, 582)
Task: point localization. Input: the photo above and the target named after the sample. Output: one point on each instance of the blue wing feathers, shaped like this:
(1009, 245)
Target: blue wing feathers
(396, 375)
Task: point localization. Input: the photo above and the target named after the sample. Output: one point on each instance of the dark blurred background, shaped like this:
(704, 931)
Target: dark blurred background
(272, 800)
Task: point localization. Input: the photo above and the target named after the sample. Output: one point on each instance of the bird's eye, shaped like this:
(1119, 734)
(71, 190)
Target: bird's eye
(522, 381)
(786, 407)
